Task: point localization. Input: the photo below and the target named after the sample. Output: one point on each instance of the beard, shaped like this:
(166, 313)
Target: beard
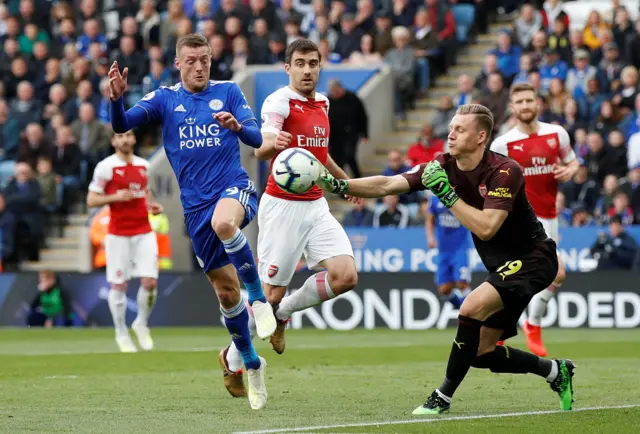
(527, 117)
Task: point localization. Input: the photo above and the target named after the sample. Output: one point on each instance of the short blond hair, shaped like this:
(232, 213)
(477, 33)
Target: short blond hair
(192, 40)
(483, 115)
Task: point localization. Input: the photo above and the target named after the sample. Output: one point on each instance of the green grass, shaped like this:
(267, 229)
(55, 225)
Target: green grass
(75, 381)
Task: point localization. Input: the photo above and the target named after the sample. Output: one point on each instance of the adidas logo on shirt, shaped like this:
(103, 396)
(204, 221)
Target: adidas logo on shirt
(180, 108)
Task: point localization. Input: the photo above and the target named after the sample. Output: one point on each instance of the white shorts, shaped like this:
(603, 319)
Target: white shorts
(289, 228)
(128, 257)
(551, 228)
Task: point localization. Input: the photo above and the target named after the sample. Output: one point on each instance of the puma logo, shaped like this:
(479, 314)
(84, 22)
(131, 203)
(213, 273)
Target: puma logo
(458, 344)
(518, 147)
(505, 171)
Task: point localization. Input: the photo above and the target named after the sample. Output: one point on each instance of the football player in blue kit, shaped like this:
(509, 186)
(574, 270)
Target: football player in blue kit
(453, 241)
(202, 122)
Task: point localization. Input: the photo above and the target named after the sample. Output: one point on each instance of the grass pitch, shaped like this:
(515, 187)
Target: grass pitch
(362, 381)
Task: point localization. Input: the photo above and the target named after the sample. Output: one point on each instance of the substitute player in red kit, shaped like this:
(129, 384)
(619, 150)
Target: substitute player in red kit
(293, 225)
(545, 154)
(120, 181)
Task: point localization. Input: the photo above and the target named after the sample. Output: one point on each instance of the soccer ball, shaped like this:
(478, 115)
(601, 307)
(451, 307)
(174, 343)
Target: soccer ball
(295, 170)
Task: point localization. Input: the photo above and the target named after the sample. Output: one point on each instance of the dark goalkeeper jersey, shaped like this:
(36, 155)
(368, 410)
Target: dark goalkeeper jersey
(497, 183)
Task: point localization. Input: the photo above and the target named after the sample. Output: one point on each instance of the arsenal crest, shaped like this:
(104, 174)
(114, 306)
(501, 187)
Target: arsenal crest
(552, 143)
(273, 270)
(483, 190)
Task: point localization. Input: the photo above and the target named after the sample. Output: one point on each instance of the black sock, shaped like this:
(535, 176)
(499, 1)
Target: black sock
(463, 353)
(513, 361)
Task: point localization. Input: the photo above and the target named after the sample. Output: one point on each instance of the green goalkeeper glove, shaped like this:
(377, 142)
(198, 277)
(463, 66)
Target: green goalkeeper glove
(435, 179)
(328, 182)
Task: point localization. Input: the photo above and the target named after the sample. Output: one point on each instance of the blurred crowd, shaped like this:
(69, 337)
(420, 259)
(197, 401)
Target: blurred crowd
(588, 82)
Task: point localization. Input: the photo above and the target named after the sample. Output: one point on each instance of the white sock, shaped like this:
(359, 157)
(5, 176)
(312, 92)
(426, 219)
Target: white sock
(117, 301)
(146, 300)
(314, 291)
(554, 371)
(234, 358)
(539, 305)
(443, 396)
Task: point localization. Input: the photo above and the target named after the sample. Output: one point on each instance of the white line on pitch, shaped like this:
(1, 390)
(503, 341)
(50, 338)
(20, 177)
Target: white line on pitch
(436, 419)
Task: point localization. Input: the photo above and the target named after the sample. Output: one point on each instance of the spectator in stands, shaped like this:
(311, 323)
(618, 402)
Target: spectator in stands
(595, 158)
(442, 117)
(489, 67)
(610, 68)
(564, 213)
(527, 24)
(626, 96)
(581, 217)
(557, 96)
(393, 214)
(621, 207)
(359, 216)
(508, 55)
(633, 189)
(589, 103)
(403, 66)
(25, 108)
(426, 148)
(287, 12)
(277, 48)
(51, 307)
(9, 140)
(559, 40)
(605, 38)
(577, 43)
(395, 166)
(349, 126)
(127, 56)
(581, 190)
(444, 24)
(552, 11)
(7, 233)
(466, 93)
(366, 56)
(292, 31)
(175, 12)
(349, 39)
(149, 20)
(580, 74)
(608, 120)
(66, 159)
(33, 145)
(631, 123)
(91, 33)
(552, 67)
(592, 29)
(403, 13)
(615, 250)
(605, 201)
(22, 196)
(580, 146)
(544, 112)
(633, 46)
(322, 30)
(240, 54)
(496, 99)
(221, 61)
(49, 197)
(571, 119)
(382, 40)
(617, 155)
(91, 136)
(538, 48)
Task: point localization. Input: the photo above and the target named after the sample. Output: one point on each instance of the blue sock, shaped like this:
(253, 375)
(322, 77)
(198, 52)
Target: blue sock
(456, 298)
(241, 257)
(237, 321)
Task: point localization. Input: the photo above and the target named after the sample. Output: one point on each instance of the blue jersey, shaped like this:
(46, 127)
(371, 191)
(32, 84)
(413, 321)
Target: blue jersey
(450, 234)
(204, 156)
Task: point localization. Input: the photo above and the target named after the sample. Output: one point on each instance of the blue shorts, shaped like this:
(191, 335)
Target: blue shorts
(453, 267)
(206, 244)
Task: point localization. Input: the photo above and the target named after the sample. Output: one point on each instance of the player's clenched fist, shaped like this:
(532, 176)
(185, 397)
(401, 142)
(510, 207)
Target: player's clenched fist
(123, 195)
(117, 81)
(435, 178)
(283, 140)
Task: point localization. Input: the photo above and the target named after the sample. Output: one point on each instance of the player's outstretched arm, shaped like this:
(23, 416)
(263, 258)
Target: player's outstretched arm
(121, 120)
(95, 200)
(373, 186)
(272, 144)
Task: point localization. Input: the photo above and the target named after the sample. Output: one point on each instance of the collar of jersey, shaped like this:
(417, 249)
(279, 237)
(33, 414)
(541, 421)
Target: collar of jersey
(198, 93)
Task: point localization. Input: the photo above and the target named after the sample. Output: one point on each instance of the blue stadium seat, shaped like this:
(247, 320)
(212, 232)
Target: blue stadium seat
(464, 15)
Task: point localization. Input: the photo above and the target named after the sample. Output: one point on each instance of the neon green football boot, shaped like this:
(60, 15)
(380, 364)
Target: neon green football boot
(563, 384)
